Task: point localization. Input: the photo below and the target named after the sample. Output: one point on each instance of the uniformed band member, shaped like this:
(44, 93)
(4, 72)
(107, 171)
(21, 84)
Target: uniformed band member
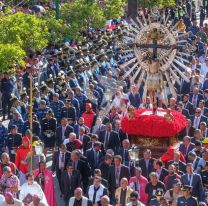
(187, 199)
(13, 141)
(156, 201)
(48, 129)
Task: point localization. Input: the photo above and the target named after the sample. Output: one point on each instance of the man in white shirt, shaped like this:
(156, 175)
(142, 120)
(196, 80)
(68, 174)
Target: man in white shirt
(1, 199)
(31, 188)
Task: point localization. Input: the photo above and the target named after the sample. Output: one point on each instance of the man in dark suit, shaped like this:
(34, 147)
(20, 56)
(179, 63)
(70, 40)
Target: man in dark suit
(187, 131)
(98, 126)
(203, 129)
(176, 161)
(85, 139)
(195, 97)
(69, 112)
(194, 180)
(185, 112)
(70, 180)
(116, 173)
(198, 118)
(117, 128)
(186, 146)
(204, 110)
(82, 166)
(134, 97)
(109, 138)
(124, 152)
(79, 124)
(146, 163)
(105, 166)
(187, 104)
(160, 170)
(60, 160)
(63, 131)
(94, 155)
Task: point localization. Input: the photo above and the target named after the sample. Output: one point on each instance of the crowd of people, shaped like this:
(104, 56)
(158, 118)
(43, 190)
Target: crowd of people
(76, 121)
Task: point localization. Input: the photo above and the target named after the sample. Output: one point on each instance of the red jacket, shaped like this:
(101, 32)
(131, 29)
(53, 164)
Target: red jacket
(88, 119)
(21, 155)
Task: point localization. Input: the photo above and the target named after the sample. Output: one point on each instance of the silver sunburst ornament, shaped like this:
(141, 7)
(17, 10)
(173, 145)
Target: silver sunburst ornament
(159, 54)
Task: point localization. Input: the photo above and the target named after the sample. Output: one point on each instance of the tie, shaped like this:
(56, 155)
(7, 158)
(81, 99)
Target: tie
(117, 176)
(63, 132)
(194, 101)
(124, 156)
(94, 195)
(196, 122)
(62, 161)
(190, 179)
(75, 164)
(69, 176)
(147, 164)
(106, 140)
(96, 159)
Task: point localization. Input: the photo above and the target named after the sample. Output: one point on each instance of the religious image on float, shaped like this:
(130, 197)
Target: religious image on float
(157, 53)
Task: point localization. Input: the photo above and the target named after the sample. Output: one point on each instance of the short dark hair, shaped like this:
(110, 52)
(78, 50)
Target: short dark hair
(159, 162)
(134, 194)
(108, 156)
(28, 175)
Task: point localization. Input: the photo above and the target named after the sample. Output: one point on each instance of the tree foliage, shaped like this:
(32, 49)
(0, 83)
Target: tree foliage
(58, 30)
(158, 3)
(114, 9)
(24, 30)
(10, 54)
(81, 15)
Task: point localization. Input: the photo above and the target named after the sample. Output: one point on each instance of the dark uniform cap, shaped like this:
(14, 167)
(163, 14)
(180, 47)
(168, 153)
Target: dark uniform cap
(35, 89)
(50, 80)
(22, 94)
(186, 188)
(159, 193)
(176, 182)
(13, 99)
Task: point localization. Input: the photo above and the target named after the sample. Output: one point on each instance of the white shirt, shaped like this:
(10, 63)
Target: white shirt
(1, 199)
(66, 141)
(33, 189)
(204, 69)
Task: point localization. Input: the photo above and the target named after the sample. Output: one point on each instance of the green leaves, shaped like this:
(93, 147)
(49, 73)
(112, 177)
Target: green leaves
(24, 30)
(81, 15)
(114, 9)
(10, 55)
(18, 33)
(158, 3)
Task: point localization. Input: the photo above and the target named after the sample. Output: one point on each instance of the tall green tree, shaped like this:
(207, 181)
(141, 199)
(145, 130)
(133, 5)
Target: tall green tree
(58, 30)
(114, 9)
(24, 30)
(82, 15)
(158, 3)
(10, 55)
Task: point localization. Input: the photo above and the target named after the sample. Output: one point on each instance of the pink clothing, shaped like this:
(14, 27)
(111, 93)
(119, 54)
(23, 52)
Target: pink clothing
(142, 182)
(48, 186)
